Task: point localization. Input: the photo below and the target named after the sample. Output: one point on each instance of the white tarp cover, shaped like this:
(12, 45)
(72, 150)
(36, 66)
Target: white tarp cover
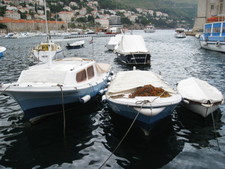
(81, 42)
(199, 91)
(114, 40)
(129, 80)
(42, 76)
(131, 44)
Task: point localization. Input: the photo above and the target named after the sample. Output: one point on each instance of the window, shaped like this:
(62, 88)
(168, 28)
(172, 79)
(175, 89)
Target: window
(216, 30)
(212, 6)
(90, 72)
(81, 76)
(208, 30)
(223, 31)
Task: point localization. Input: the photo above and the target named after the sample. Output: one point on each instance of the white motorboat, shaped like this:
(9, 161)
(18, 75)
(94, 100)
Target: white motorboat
(213, 37)
(41, 88)
(180, 33)
(2, 51)
(48, 50)
(142, 94)
(113, 41)
(45, 51)
(199, 96)
(75, 45)
(149, 29)
(132, 50)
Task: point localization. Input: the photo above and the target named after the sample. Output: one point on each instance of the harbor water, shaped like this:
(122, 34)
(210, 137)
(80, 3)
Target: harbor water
(93, 132)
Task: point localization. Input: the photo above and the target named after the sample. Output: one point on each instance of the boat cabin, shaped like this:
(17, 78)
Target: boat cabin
(214, 31)
(65, 72)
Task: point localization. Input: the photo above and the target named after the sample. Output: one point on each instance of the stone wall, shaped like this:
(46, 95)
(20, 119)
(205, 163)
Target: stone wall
(33, 27)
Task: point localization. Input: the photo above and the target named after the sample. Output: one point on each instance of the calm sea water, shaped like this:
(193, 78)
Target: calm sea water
(184, 140)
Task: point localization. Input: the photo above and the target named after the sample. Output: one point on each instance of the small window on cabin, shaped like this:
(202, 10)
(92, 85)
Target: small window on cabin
(90, 72)
(216, 30)
(208, 30)
(212, 6)
(81, 76)
(223, 31)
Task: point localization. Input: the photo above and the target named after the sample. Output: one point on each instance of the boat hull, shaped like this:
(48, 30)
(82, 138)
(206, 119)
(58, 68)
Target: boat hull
(39, 104)
(197, 108)
(148, 116)
(213, 45)
(74, 47)
(135, 59)
(43, 56)
(2, 51)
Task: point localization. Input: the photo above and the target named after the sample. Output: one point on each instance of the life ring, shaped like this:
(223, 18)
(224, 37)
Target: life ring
(218, 43)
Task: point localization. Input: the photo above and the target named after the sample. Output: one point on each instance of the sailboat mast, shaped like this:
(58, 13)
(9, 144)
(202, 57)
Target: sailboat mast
(46, 20)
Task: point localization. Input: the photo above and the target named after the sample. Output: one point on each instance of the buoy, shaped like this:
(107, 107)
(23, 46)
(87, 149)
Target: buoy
(85, 98)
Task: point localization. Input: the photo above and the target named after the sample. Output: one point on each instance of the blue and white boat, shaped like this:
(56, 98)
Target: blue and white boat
(2, 51)
(42, 89)
(142, 94)
(213, 37)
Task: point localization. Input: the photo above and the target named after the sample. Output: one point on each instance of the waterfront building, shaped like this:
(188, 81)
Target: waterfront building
(207, 9)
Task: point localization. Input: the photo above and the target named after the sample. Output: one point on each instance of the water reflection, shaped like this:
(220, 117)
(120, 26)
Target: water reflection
(197, 130)
(43, 144)
(138, 150)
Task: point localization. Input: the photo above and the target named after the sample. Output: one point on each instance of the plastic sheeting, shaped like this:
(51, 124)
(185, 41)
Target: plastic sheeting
(199, 91)
(131, 44)
(128, 80)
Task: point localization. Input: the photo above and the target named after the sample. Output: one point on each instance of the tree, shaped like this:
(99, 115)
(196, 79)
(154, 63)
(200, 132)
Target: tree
(2, 11)
(125, 20)
(2, 26)
(90, 19)
(81, 19)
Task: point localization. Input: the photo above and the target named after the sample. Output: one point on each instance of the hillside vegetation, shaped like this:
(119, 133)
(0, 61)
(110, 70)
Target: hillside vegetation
(159, 4)
(180, 9)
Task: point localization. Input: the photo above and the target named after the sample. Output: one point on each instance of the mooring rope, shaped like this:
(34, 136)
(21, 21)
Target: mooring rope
(121, 140)
(4, 89)
(214, 126)
(64, 115)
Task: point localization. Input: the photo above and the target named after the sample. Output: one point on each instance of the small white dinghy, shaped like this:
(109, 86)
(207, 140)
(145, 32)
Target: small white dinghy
(199, 96)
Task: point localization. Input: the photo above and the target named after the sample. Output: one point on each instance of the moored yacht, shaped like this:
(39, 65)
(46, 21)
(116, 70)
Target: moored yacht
(213, 37)
(42, 89)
